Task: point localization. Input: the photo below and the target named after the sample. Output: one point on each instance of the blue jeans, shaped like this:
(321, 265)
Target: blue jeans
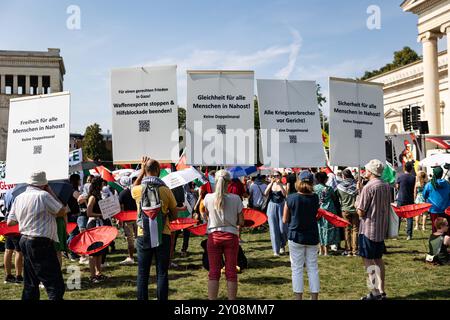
(82, 222)
(409, 221)
(162, 257)
(41, 265)
(278, 230)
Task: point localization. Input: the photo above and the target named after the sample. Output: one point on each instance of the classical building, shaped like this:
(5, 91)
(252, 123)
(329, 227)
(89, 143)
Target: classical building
(24, 73)
(423, 83)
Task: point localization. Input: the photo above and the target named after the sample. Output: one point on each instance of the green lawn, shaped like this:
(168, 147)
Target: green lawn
(341, 278)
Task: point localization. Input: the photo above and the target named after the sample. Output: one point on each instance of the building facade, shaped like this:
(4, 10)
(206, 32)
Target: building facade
(25, 73)
(423, 83)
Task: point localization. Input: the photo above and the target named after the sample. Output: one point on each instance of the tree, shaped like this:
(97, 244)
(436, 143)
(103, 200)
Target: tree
(181, 118)
(93, 144)
(401, 58)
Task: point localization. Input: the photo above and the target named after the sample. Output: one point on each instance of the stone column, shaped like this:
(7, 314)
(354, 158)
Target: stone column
(27, 85)
(15, 89)
(39, 88)
(445, 29)
(431, 81)
(2, 81)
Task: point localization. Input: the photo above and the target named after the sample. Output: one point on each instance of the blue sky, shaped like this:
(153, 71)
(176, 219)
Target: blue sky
(293, 39)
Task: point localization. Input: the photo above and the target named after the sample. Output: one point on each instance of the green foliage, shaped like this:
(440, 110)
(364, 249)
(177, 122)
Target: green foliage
(401, 58)
(181, 118)
(93, 144)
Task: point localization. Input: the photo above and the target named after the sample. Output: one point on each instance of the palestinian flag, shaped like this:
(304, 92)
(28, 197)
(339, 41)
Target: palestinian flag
(181, 164)
(105, 173)
(388, 174)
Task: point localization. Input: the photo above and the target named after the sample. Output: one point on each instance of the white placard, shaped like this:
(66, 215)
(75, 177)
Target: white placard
(144, 114)
(291, 135)
(220, 118)
(109, 207)
(356, 123)
(38, 137)
(75, 160)
(180, 178)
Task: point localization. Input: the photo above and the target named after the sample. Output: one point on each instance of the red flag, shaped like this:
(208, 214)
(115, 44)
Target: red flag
(181, 164)
(207, 186)
(126, 166)
(105, 174)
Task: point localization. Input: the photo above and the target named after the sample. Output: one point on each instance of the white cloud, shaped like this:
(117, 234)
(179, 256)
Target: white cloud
(295, 49)
(231, 60)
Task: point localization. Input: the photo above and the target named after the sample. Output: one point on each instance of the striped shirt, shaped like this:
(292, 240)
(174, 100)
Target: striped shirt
(375, 201)
(35, 211)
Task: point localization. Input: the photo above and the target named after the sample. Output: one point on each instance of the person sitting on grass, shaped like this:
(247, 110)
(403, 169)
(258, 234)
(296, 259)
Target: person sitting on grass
(439, 243)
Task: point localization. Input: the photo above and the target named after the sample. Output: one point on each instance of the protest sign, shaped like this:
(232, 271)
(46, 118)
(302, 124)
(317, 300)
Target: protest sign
(356, 122)
(144, 114)
(75, 160)
(220, 118)
(180, 178)
(4, 187)
(290, 109)
(109, 207)
(38, 137)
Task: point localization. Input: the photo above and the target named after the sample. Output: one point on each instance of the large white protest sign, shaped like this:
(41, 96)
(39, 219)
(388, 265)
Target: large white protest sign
(356, 122)
(144, 114)
(290, 109)
(220, 118)
(109, 207)
(38, 137)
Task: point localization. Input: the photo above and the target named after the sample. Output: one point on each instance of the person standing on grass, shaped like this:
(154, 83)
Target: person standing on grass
(12, 247)
(347, 193)
(153, 237)
(278, 230)
(405, 185)
(437, 192)
(300, 213)
(95, 219)
(328, 234)
(421, 181)
(373, 208)
(35, 211)
(127, 203)
(223, 211)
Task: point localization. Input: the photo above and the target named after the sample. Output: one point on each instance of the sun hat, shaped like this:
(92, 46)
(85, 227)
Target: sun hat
(38, 179)
(375, 167)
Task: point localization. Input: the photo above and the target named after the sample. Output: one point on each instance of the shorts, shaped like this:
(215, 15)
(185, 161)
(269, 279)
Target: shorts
(130, 230)
(12, 243)
(370, 249)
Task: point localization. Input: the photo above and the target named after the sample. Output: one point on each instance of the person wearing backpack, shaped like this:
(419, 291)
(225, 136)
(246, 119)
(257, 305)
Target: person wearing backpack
(156, 208)
(256, 199)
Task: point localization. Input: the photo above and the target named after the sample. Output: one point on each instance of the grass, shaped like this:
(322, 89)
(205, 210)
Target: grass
(341, 278)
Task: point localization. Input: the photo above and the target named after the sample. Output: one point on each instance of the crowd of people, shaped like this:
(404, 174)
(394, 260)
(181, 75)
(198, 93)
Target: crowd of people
(290, 200)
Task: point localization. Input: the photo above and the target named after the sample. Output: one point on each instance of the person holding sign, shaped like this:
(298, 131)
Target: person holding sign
(156, 208)
(95, 220)
(35, 211)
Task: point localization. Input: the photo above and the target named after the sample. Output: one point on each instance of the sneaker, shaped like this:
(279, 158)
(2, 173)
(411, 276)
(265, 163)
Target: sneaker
(41, 286)
(276, 255)
(346, 253)
(94, 280)
(84, 260)
(73, 257)
(128, 261)
(408, 238)
(10, 279)
(383, 296)
(282, 251)
(19, 279)
(370, 296)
